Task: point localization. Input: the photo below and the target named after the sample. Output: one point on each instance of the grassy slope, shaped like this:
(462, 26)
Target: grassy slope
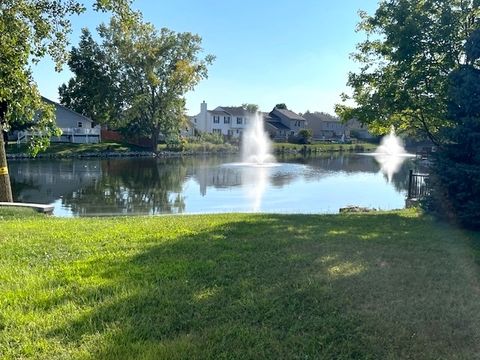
(65, 149)
(322, 146)
(382, 286)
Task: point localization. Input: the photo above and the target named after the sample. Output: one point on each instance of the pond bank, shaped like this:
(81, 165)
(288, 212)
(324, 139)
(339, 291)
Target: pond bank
(115, 150)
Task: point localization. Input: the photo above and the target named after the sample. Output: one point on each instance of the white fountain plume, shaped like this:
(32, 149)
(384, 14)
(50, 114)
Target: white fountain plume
(256, 145)
(391, 145)
(390, 154)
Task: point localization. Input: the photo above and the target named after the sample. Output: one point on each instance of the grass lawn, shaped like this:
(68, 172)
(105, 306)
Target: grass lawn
(391, 285)
(323, 146)
(66, 149)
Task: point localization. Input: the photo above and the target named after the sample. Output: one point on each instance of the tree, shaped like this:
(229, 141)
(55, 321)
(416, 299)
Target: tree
(94, 90)
(251, 108)
(410, 49)
(30, 30)
(455, 189)
(305, 136)
(157, 68)
(281, 106)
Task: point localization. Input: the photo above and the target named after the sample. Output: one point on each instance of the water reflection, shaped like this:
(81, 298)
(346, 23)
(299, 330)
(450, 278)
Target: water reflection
(389, 164)
(203, 184)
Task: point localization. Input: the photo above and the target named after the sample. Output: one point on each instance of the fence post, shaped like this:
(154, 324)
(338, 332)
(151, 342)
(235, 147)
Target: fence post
(410, 178)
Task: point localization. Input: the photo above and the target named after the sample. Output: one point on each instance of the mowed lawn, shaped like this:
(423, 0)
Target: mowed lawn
(238, 286)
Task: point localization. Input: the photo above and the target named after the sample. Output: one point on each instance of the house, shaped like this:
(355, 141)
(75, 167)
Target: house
(359, 130)
(326, 127)
(224, 120)
(233, 120)
(283, 123)
(75, 127)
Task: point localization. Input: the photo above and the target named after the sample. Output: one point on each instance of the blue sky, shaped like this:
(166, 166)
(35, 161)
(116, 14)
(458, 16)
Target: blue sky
(267, 52)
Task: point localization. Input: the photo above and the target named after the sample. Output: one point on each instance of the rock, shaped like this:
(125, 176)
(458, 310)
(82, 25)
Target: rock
(355, 209)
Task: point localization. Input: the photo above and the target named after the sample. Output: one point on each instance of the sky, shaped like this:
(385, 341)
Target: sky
(267, 52)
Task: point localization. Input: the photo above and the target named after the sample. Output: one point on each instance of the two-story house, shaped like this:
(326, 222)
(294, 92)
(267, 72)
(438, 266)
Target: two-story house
(224, 120)
(75, 127)
(326, 127)
(283, 123)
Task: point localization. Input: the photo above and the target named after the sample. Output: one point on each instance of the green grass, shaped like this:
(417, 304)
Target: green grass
(10, 212)
(203, 147)
(67, 149)
(239, 286)
(322, 146)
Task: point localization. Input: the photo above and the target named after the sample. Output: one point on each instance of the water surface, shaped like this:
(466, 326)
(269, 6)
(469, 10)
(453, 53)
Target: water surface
(80, 187)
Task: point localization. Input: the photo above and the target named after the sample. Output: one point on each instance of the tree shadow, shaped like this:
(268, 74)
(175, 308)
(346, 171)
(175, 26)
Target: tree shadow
(269, 286)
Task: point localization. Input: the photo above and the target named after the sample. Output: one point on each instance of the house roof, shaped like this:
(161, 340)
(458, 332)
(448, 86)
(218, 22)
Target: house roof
(218, 112)
(233, 110)
(66, 108)
(321, 117)
(288, 114)
(277, 125)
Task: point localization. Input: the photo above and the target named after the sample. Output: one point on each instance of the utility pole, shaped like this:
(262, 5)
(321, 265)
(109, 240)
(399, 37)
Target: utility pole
(5, 187)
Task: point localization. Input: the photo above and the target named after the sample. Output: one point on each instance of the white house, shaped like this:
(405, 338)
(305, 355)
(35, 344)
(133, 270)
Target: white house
(225, 120)
(232, 121)
(75, 127)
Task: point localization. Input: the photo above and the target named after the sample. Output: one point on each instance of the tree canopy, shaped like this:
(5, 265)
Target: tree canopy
(30, 30)
(137, 77)
(456, 169)
(94, 89)
(411, 48)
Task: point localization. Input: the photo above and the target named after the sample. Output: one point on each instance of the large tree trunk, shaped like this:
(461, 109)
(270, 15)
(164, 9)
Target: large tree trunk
(155, 140)
(5, 187)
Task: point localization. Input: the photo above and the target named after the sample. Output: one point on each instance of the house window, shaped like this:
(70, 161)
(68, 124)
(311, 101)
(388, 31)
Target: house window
(217, 131)
(195, 120)
(80, 124)
(230, 132)
(239, 120)
(226, 119)
(216, 119)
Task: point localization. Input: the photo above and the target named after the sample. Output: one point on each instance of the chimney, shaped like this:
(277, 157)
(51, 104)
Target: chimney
(203, 107)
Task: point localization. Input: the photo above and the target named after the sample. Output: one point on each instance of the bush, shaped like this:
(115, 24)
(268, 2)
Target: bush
(455, 178)
(213, 138)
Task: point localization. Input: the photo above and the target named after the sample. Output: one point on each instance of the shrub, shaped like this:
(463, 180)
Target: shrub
(455, 178)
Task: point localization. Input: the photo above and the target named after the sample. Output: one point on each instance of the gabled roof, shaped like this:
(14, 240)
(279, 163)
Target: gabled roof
(233, 110)
(66, 108)
(278, 125)
(288, 114)
(218, 112)
(320, 117)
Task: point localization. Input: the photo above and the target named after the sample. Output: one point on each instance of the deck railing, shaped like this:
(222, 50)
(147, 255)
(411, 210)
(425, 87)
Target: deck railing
(418, 185)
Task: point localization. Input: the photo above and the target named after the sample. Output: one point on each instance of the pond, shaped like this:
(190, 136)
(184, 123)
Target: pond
(88, 187)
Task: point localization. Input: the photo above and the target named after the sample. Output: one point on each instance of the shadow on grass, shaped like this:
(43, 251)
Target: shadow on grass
(280, 286)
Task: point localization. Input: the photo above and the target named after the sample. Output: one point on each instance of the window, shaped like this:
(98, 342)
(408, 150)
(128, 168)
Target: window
(217, 131)
(239, 120)
(230, 132)
(195, 120)
(80, 124)
(216, 119)
(226, 119)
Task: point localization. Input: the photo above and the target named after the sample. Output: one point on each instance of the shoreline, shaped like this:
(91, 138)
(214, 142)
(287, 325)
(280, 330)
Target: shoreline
(292, 149)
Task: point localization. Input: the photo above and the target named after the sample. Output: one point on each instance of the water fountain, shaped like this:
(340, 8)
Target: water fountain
(391, 154)
(256, 146)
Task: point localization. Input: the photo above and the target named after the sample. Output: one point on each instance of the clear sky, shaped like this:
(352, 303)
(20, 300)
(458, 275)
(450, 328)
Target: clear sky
(267, 52)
